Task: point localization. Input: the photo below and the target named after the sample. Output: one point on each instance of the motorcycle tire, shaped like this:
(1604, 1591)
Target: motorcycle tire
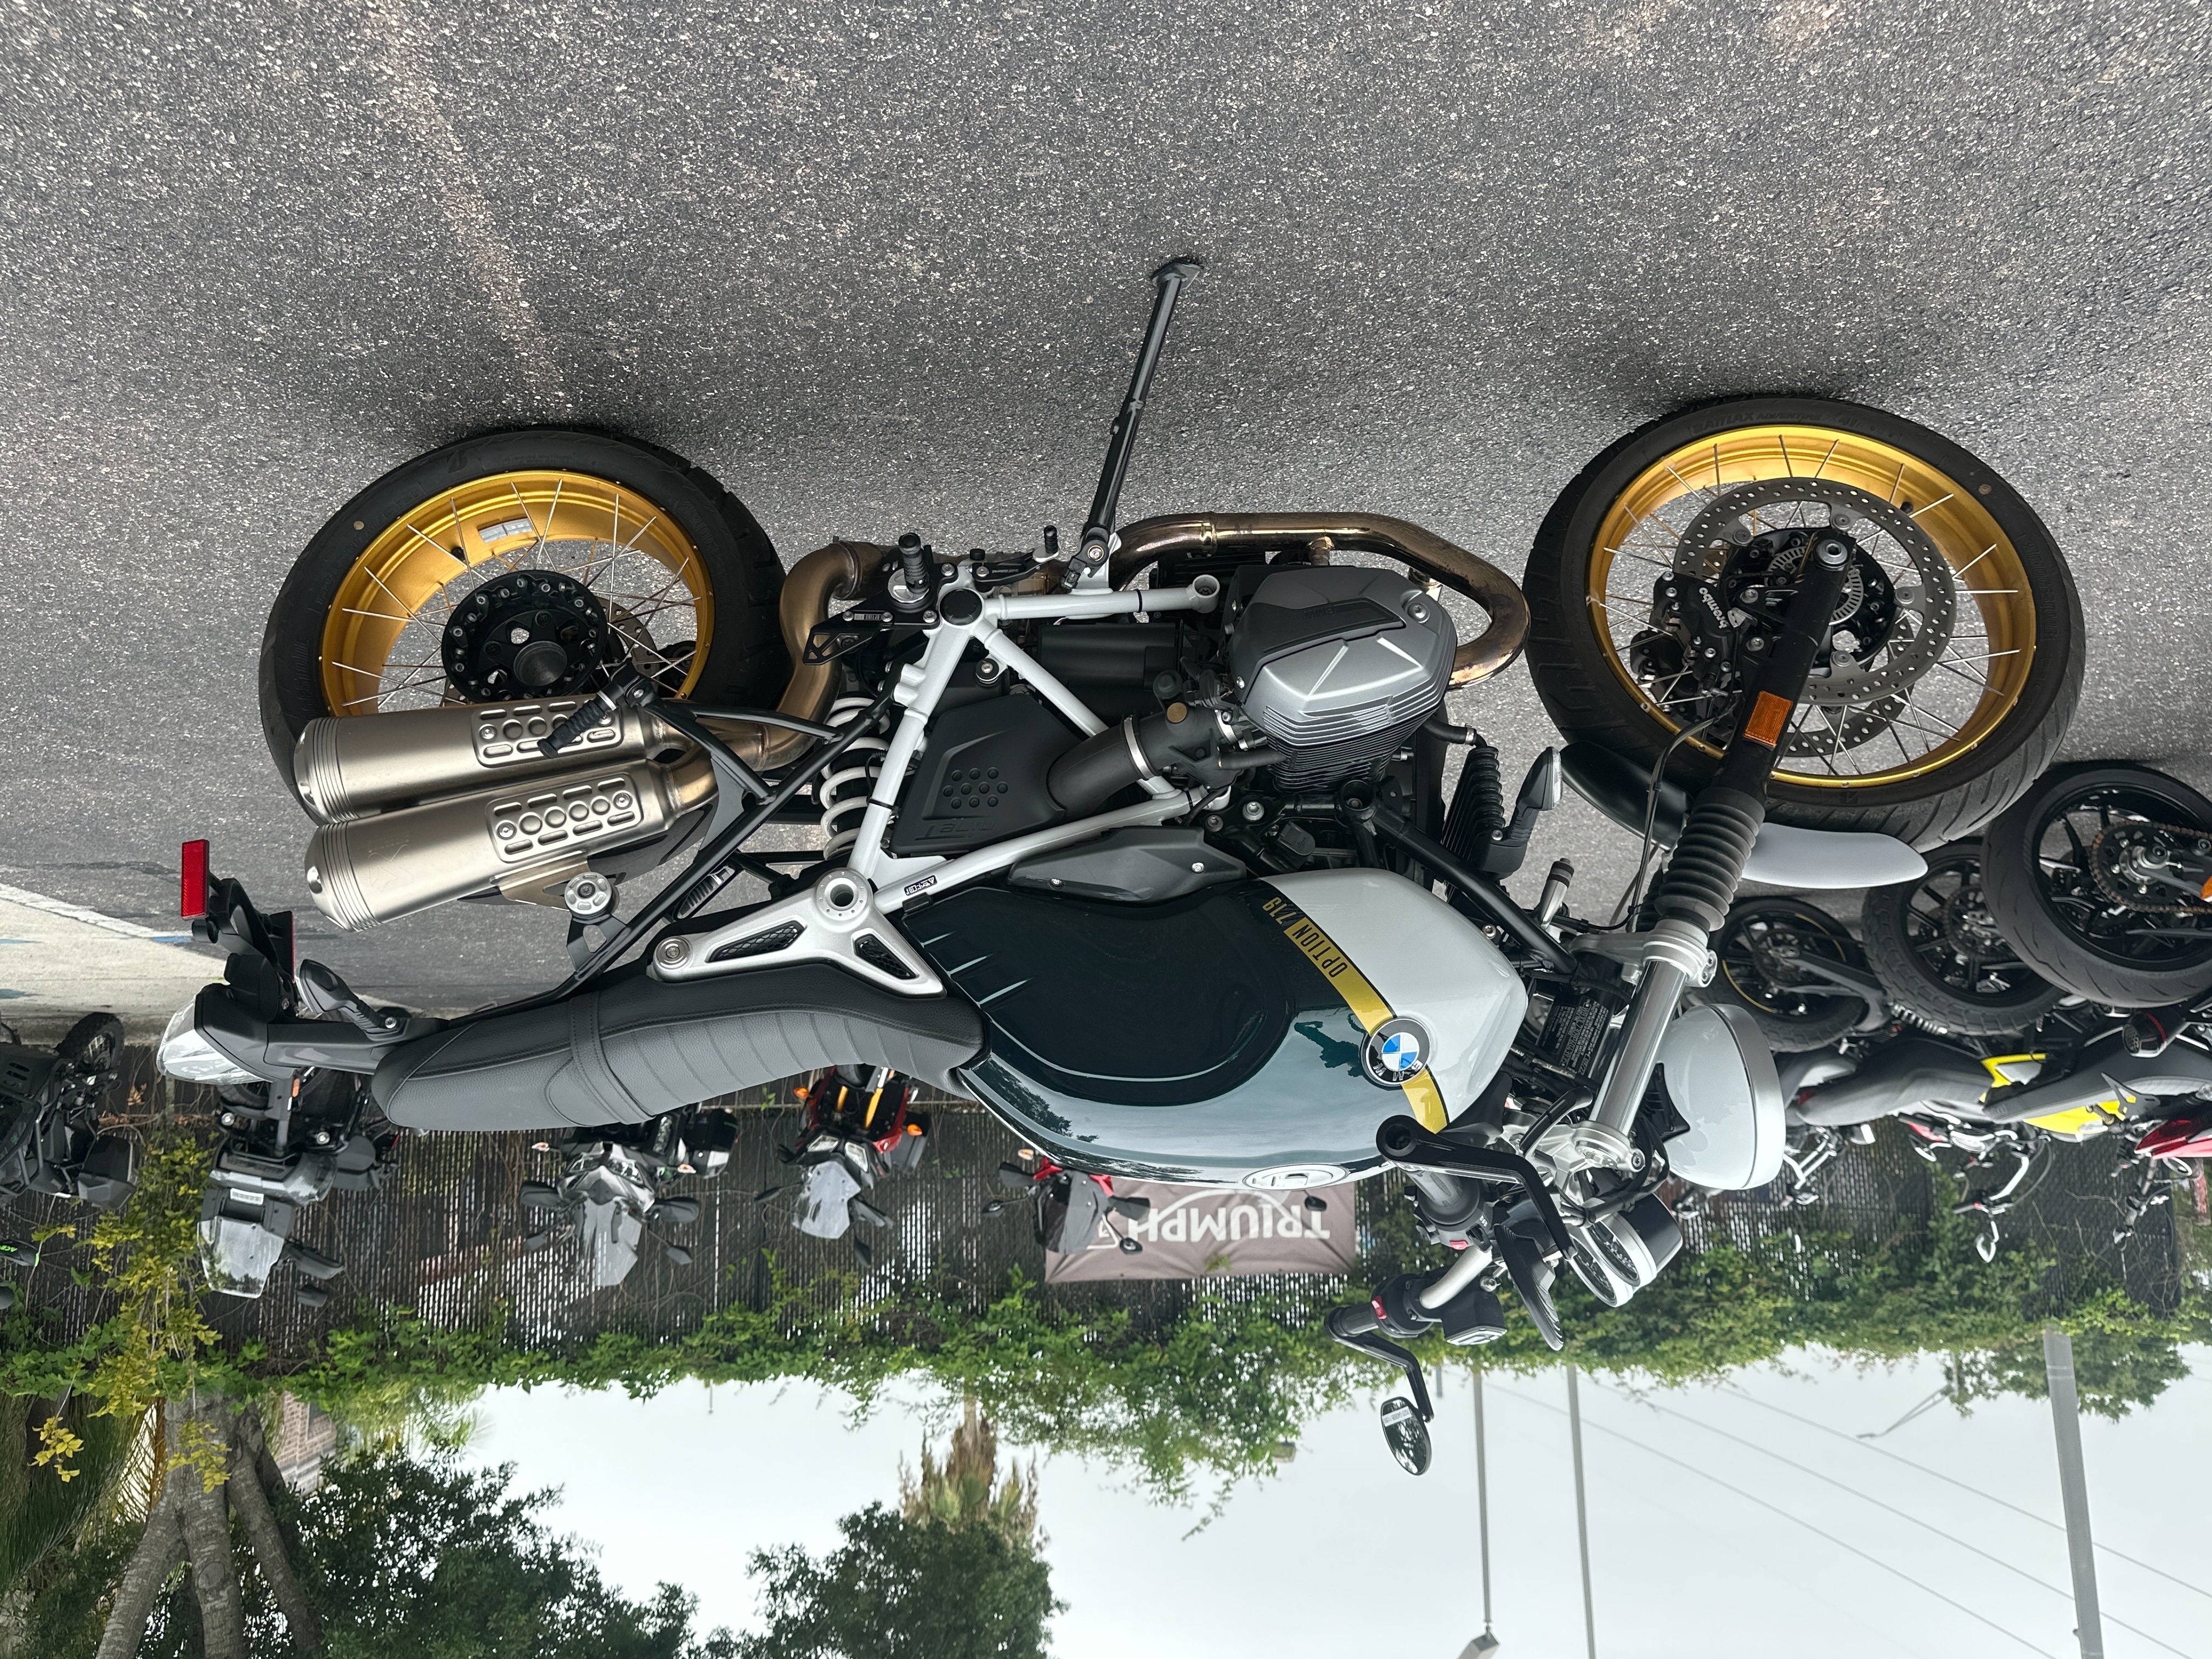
(650, 556)
(1791, 1019)
(2064, 926)
(1985, 726)
(94, 1044)
(1942, 958)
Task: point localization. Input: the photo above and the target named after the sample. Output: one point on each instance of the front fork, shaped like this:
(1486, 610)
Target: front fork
(1691, 902)
(1694, 894)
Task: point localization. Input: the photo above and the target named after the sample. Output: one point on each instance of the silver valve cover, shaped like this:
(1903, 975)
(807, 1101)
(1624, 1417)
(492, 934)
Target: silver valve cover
(1330, 654)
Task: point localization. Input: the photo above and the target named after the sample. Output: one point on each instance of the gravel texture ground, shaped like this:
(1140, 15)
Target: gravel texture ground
(882, 266)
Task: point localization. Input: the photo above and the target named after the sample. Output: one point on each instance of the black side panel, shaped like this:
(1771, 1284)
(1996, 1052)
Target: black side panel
(1158, 1004)
(636, 1048)
(983, 777)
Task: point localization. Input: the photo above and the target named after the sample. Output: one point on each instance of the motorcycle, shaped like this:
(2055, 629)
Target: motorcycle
(1068, 1208)
(609, 1187)
(1164, 875)
(51, 1141)
(1945, 1021)
(2101, 876)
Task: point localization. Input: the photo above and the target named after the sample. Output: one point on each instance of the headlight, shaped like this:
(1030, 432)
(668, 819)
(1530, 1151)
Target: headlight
(188, 1057)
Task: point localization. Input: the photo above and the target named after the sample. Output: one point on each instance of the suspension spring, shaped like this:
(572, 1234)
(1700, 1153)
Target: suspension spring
(844, 793)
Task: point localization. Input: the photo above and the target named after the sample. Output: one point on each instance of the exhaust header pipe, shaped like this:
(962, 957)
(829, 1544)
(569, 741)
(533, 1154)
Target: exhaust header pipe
(523, 837)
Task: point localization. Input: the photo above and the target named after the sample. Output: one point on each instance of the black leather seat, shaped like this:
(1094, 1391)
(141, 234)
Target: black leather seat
(632, 1048)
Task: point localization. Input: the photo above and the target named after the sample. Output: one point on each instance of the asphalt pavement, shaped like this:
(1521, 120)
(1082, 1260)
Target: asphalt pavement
(877, 267)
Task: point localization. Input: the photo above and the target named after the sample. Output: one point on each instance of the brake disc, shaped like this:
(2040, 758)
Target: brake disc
(1924, 591)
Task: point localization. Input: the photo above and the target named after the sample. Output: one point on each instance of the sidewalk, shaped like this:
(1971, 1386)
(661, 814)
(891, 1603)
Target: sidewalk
(58, 962)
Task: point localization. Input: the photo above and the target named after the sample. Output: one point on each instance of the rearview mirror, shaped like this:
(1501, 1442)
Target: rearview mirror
(1407, 1434)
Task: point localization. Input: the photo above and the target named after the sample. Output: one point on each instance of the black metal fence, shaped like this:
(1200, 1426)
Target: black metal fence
(445, 1236)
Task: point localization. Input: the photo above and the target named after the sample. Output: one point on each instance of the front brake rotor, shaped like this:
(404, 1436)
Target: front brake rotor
(1922, 600)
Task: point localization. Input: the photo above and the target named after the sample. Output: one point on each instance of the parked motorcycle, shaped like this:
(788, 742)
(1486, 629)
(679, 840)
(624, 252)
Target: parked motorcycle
(1164, 875)
(609, 1187)
(2102, 875)
(1068, 1209)
(50, 1142)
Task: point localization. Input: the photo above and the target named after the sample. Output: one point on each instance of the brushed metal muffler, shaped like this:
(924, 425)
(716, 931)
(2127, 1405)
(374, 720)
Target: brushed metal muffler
(346, 768)
(522, 836)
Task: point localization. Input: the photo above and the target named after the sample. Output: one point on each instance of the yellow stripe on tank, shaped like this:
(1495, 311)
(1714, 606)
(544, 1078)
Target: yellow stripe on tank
(1423, 1098)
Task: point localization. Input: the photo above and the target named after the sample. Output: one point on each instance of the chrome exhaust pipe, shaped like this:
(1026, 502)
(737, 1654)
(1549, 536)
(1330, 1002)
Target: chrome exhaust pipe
(524, 837)
(347, 768)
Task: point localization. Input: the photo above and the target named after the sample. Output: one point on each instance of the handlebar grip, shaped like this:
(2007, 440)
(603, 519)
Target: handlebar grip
(594, 712)
(1353, 1319)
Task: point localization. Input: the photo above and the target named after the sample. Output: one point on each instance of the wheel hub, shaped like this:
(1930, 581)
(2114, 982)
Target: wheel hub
(1893, 620)
(1968, 928)
(532, 633)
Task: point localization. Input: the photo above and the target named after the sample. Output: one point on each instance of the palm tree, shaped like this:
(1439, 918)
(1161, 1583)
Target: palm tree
(965, 1490)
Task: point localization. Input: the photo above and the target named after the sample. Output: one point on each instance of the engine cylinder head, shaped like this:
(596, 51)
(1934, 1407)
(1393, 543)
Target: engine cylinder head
(1338, 664)
(524, 837)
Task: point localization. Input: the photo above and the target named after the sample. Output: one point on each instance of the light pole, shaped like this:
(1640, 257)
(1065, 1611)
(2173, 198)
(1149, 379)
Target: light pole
(2074, 1490)
(1582, 1510)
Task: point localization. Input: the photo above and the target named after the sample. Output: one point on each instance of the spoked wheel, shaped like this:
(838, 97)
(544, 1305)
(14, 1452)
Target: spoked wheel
(2079, 877)
(1660, 575)
(1762, 947)
(1941, 956)
(518, 566)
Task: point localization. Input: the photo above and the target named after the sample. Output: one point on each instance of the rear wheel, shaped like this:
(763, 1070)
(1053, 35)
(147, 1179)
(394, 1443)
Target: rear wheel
(1941, 956)
(2059, 869)
(1955, 664)
(521, 565)
(1761, 947)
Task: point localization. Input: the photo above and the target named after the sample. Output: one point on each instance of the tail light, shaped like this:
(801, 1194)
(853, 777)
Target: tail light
(191, 895)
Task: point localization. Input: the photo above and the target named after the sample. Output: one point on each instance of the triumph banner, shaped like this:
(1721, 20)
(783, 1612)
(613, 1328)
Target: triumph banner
(1203, 1232)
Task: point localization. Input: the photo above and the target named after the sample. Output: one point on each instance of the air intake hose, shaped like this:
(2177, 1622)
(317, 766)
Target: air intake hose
(1178, 741)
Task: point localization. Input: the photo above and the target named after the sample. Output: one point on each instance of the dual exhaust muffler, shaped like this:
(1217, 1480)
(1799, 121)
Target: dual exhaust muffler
(421, 807)
(433, 804)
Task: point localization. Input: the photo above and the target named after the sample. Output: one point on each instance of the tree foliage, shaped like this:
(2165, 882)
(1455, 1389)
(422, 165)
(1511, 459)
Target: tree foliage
(419, 1556)
(903, 1589)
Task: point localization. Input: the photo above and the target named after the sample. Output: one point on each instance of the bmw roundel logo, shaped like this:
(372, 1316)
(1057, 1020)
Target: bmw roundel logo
(1396, 1050)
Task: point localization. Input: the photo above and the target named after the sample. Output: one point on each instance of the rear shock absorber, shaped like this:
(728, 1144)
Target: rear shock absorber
(844, 793)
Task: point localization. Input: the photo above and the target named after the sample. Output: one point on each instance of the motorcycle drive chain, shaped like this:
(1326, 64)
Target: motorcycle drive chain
(2105, 851)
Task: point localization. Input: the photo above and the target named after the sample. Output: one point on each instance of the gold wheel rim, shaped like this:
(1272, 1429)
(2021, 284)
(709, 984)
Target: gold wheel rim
(1968, 686)
(383, 635)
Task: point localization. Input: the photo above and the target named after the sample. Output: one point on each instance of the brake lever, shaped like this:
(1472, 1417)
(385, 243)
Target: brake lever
(1402, 1141)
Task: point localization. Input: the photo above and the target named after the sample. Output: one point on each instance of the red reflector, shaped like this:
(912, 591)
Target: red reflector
(191, 896)
(1381, 1312)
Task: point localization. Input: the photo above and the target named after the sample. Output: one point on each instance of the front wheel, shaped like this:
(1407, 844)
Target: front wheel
(522, 565)
(2072, 873)
(1661, 574)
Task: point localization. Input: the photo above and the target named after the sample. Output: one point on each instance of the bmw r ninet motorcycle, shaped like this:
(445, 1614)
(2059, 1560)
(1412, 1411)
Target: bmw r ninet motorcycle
(1164, 874)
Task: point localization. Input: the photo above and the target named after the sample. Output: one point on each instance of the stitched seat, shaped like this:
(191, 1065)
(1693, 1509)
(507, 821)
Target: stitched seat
(633, 1047)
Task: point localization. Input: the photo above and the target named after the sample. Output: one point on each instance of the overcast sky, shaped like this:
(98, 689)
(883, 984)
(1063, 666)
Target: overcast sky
(684, 1486)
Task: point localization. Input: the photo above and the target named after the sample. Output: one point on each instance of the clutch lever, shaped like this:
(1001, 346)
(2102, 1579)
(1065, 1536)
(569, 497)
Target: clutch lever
(1402, 1141)
(1356, 1327)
